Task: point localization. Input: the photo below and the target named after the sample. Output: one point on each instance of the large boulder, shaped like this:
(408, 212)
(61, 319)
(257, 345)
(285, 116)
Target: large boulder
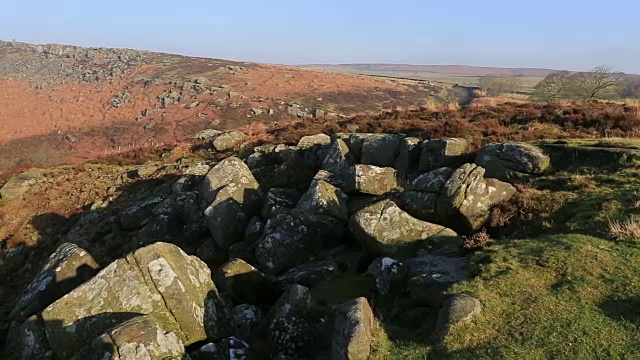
(467, 197)
(461, 198)
(323, 198)
(512, 162)
(139, 338)
(279, 200)
(296, 170)
(353, 331)
(67, 268)
(339, 159)
(134, 216)
(369, 179)
(159, 280)
(444, 152)
(291, 239)
(380, 150)
(314, 140)
(310, 274)
(28, 341)
(389, 231)
(233, 197)
(228, 140)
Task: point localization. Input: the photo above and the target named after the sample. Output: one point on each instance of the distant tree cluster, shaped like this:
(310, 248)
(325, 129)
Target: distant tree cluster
(600, 82)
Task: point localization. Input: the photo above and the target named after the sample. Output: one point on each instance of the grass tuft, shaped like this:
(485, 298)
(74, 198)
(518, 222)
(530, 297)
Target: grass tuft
(626, 230)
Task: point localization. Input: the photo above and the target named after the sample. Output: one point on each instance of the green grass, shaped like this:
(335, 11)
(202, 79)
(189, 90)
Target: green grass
(563, 296)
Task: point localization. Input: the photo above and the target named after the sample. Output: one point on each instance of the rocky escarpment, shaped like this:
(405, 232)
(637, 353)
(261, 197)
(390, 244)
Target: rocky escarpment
(230, 263)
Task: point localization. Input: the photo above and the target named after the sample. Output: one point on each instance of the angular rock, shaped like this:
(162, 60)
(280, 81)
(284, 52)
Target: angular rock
(380, 150)
(133, 217)
(444, 152)
(430, 276)
(228, 140)
(159, 280)
(139, 338)
(323, 198)
(339, 159)
(389, 231)
(293, 337)
(353, 331)
(246, 315)
(67, 268)
(233, 196)
(408, 155)
(297, 170)
(512, 162)
(291, 239)
(296, 299)
(314, 140)
(245, 284)
(369, 179)
(457, 309)
(206, 134)
(421, 196)
(467, 197)
(310, 274)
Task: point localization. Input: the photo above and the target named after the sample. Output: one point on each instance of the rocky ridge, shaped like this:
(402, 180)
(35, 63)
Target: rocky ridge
(225, 263)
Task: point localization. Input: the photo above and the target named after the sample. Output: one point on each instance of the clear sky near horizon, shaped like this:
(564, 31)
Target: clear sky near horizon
(559, 34)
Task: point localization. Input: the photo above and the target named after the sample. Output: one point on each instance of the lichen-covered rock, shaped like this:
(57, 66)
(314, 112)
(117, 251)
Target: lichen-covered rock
(134, 216)
(369, 179)
(420, 198)
(310, 274)
(314, 140)
(408, 155)
(293, 337)
(159, 280)
(68, 267)
(389, 231)
(278, 200)
(323, 198)
(182, 205)
(231, 348)
(444, 152)
(228, 140)
(228, 171)
(467, 197)
(291, 239)
(244, 283)
(28, 341)
(512, 162)
(296, 299)
(457, 309)
(246, 315)
(430, 276)
(380, 150)
(233, 197)
(139, 338)
(353, 331)
(339, 159)
(296, 170)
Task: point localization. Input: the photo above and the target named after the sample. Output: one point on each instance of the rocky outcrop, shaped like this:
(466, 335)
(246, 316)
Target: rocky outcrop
(512, 162)
(389, 231)
(159, 280)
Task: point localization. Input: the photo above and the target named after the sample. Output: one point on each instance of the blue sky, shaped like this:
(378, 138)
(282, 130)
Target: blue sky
(564, 34)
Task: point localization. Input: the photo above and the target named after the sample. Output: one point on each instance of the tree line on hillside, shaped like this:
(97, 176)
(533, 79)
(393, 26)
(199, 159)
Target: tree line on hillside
(600, 82)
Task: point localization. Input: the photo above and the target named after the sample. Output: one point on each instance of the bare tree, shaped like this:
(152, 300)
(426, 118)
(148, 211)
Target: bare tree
(555, 86)
(598, 83)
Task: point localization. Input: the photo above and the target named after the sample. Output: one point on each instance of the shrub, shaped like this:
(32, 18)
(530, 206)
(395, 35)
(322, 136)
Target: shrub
(477, 240)
(627, 230)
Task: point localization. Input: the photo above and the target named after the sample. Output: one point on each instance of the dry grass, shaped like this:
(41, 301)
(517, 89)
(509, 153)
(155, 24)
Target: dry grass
(627, 230)
(477, 240)
(635, 199)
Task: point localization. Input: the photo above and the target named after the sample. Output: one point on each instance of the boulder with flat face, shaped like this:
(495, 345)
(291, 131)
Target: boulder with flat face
(232, 196)
(244, 283)
(369, 179)
(513, 162)
(380, 150)
(228, 140)
(159, 280)
(444, 152)
(323, 198)
(389, 231)
(68, 267)
(353, 331)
